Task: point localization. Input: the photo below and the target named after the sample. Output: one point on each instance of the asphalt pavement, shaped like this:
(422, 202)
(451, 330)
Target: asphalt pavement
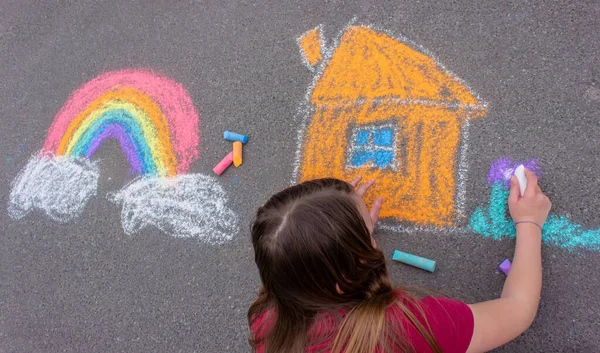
(87, 286)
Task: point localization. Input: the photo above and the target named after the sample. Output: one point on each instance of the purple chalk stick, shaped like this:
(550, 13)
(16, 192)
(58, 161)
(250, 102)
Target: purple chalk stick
(501, 170)
(505, 266)
(118, 132)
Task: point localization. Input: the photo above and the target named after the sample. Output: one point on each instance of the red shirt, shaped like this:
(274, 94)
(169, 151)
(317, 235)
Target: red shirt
(451, 323)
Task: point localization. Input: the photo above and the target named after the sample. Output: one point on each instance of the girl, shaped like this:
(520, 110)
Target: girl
(326, 286)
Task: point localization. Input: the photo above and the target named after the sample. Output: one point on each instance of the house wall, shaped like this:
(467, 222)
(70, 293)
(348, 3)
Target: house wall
(421, 187)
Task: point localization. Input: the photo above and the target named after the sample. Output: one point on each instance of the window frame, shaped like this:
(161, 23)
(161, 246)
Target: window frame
(371, 147)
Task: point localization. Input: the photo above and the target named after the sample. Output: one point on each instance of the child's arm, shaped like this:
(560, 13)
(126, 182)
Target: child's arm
(501, 320)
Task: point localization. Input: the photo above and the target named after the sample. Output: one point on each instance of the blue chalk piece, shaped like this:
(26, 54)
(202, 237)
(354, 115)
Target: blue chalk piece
(383, 137)
(414, 260)
(234, 136)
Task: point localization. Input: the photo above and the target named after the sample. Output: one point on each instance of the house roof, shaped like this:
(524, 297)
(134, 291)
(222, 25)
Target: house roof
(372, 65)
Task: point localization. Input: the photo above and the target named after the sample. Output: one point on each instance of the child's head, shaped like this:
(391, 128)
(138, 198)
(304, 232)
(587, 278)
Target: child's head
(314, 248)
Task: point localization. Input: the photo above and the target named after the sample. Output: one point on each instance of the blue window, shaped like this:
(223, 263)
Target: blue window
(372, 146)
(362, 137)
(383, 137)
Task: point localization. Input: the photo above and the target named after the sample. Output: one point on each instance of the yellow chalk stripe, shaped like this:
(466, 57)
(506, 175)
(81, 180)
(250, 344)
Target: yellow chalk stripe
(310, 43)
(146, 112)
(422, 188)
(372, 65)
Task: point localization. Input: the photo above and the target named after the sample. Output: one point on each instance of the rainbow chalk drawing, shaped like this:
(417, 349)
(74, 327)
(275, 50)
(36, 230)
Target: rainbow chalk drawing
(382, 107)
(494, 221)
(155, 122)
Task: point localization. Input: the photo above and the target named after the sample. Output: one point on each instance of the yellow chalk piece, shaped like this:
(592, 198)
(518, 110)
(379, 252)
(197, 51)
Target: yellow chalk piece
(237, 153)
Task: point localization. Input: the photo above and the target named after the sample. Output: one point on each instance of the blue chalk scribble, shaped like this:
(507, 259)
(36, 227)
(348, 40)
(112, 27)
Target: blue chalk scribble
(494, 221)
(362, 137)
(361, 157)
(383, 158)
(383, 137)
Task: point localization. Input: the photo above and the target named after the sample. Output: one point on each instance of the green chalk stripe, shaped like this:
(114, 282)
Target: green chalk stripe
(414, 260)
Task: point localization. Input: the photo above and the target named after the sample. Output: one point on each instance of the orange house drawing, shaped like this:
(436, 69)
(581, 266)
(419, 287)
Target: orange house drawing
(382, 108)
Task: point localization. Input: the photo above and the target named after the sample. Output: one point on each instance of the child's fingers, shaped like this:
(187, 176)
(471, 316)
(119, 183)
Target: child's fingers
(514, 190)
(375, 209)
(362, 190)
(532, 183)
(356, 180)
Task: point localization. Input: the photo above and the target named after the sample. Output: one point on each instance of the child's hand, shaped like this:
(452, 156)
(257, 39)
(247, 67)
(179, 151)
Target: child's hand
(533, 205)
(362, 190)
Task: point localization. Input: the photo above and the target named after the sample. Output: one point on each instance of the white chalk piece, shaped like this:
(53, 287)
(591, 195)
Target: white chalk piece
(520, 174)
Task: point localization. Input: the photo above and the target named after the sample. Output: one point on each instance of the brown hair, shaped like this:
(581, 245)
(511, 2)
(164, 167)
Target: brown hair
(314, 254)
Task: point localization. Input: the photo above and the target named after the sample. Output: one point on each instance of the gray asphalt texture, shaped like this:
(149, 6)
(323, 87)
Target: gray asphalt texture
(86, 286)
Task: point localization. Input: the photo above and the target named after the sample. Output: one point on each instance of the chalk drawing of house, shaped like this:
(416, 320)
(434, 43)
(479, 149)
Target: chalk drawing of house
(381, 107)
